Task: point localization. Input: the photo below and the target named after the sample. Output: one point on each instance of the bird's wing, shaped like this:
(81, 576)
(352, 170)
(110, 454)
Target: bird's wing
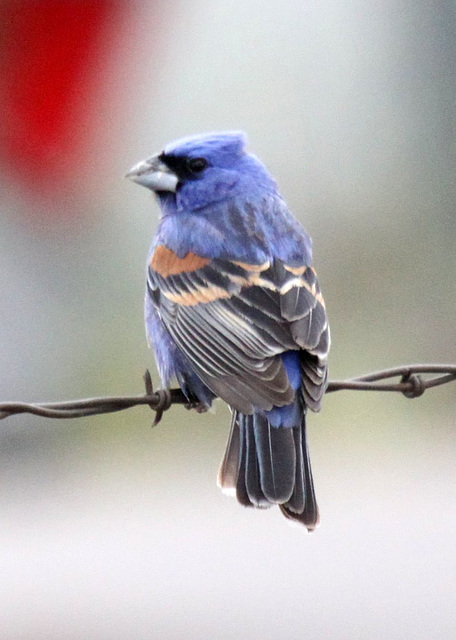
(232, 319)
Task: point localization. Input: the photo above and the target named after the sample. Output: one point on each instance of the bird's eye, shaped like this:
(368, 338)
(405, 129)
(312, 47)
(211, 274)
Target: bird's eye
(196, 165)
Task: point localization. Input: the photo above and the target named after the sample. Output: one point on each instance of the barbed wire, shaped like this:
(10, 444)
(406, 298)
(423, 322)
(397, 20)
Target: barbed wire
(413, 382)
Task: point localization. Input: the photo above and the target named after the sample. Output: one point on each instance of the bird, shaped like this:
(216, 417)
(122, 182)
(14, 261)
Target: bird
(234, 310)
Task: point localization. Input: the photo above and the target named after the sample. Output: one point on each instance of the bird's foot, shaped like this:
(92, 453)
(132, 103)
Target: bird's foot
(200, 407)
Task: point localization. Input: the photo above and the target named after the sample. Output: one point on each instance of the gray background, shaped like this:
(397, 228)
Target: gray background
(111, 530)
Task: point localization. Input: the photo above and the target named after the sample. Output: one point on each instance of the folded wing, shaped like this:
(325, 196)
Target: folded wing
(233, 320)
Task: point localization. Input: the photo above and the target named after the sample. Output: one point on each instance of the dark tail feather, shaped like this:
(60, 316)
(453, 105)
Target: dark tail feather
(276, 459)
(229, 469)
(302, 506)
(251, 475)
(266, 465)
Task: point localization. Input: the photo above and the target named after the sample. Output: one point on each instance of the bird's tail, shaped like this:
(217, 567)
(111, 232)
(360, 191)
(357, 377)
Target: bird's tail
(265, 465)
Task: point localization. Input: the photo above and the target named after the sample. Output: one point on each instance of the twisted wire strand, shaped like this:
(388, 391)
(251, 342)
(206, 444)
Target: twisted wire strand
(413, 381)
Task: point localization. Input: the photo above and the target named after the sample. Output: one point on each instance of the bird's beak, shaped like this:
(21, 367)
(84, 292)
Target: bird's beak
(153, 174)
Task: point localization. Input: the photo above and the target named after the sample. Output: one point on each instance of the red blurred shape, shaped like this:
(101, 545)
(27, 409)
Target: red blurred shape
(49, 52)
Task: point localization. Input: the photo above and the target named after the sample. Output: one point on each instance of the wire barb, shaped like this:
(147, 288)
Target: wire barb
(417, 385)
(164, 403)
(414, 380)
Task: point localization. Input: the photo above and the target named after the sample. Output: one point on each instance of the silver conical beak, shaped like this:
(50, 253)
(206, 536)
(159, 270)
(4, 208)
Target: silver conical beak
(153, 174)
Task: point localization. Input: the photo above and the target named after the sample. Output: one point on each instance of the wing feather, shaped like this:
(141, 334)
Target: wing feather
(233, 320)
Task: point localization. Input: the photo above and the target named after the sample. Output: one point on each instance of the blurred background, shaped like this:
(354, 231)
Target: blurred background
(112, 530)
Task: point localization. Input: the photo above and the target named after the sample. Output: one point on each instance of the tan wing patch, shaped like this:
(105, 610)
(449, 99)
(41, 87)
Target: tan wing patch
(197, 295)
(253, 267)
(166, 263)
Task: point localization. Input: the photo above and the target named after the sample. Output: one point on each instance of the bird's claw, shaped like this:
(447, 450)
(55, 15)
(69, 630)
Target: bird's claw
(200, 407)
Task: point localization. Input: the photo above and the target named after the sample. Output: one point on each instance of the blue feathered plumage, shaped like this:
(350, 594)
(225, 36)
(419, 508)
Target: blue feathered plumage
(234, 310)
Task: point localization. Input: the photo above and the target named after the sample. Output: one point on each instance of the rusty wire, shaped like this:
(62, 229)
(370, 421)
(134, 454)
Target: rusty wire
(413, 382)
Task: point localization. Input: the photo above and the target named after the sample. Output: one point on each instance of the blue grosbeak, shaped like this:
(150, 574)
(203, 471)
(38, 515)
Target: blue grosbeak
(234, 310)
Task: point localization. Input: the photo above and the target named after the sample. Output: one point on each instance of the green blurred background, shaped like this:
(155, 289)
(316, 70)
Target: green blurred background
(111, 530)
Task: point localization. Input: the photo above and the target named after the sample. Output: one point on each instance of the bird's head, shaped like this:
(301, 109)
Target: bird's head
(198, 171)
